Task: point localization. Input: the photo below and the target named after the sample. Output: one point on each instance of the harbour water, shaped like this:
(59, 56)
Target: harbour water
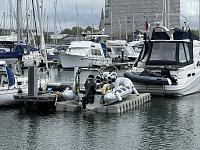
(164, 123)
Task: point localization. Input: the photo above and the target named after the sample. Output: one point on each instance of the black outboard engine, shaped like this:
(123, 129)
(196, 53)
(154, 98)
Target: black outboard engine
(90, 89)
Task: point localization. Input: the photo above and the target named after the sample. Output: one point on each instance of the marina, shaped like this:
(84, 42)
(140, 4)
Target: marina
(99, 75)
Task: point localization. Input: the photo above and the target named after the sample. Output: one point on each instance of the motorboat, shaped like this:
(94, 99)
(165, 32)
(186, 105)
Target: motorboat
(169, 64)
(84, 54)
(121, 51)
(10, 84)
(98, 88)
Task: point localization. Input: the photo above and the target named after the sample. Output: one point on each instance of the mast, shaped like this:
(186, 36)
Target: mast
(77, 28)
(133, 23)
(11, 15)
(92, 23)
(165, 12)
(42, 42)
(168, 15)
(19, 3)
(111, 24)
(4, 22)
(126, 28)
(27, 23)
(199, 19)
(120, 29)
(55, 20)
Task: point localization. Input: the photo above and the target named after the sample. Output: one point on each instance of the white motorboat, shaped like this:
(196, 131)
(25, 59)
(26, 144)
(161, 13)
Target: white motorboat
(168, 65)
(83, 54)
(120, 49)
(11, 84)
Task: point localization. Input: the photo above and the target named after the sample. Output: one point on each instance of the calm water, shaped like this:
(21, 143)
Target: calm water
(164, 123)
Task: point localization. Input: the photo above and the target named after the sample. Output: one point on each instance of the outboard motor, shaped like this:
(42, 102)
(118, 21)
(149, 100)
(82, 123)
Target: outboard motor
(90, 89)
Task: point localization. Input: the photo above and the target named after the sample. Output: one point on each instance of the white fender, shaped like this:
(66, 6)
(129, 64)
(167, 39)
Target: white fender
(69, 94)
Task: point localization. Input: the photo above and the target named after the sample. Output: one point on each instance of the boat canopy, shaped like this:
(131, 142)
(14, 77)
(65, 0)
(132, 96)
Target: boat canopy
(171, 52)
(167, 47)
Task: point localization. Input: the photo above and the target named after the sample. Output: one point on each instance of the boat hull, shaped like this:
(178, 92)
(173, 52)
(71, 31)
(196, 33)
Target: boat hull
(71, 61)
(6, 96)
(180, 89)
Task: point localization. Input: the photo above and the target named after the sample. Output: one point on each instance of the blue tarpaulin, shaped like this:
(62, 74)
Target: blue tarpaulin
(10, 76)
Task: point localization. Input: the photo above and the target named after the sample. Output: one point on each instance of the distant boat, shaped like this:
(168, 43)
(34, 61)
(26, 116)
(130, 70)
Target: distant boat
(116, 47)
(169, 64)
(84, 54)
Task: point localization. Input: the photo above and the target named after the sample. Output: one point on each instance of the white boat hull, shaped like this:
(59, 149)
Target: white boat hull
(71, 61)
(6, 96)
(181, 89)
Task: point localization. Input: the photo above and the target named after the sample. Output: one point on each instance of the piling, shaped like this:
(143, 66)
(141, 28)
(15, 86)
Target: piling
(32, 81)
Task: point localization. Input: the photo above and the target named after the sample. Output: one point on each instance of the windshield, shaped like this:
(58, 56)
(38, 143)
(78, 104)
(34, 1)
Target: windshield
(163, 51)
(170, 53)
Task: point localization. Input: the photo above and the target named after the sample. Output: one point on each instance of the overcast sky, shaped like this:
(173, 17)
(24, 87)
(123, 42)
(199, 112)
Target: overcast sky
(89, 12)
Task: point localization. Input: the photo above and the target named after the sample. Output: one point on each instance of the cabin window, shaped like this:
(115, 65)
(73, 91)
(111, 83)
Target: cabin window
(163, 51)
(96, 52)
(187, 51)
(182, 54)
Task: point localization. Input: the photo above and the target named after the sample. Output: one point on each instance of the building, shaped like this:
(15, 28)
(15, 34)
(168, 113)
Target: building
(122, 17)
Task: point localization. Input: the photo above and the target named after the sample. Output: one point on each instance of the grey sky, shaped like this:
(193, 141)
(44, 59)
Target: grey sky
(89, 12)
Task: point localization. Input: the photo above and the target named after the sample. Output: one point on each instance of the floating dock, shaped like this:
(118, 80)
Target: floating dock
(127, 104)
(40, 102)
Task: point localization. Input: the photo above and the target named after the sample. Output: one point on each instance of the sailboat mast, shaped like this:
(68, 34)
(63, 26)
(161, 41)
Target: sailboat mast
(199, 19)
(11, 15)
(168, 14)
(42, 42)
(27, 22)
(55, 20)
(4, 22)
(77, 26)
(111, 24)
(19, 4)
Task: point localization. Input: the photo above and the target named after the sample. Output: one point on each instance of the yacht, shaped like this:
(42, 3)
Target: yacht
(120, 49)
(169, 64)
(84, 54)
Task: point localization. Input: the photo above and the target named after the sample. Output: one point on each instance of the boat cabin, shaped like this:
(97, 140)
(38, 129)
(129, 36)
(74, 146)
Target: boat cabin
(167, 48)
(86, 48)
